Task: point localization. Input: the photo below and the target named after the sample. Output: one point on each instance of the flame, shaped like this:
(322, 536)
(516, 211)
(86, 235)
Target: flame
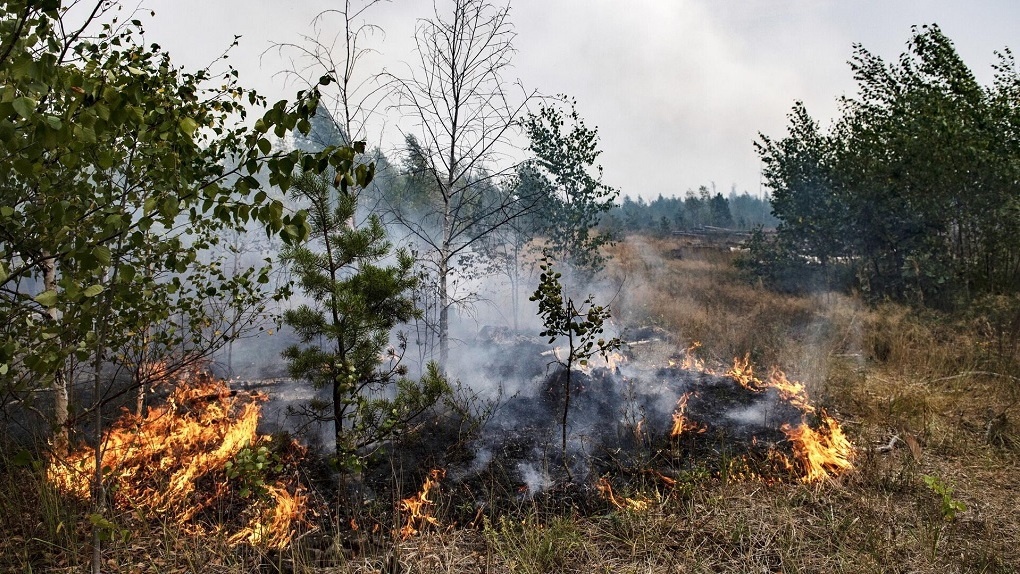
(680, 422)
(821, 453)
(614, 360)
(690, 362)
(273, 528)
(743, 373)
(624, 503)
(155, 463)
(420, 507)
(791, 391)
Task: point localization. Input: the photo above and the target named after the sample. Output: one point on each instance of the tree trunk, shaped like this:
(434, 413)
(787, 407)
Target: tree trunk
(444, 272)
(444, 312)
(59, 385)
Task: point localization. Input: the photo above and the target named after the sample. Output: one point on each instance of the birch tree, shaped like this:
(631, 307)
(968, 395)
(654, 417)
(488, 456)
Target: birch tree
(463, 113)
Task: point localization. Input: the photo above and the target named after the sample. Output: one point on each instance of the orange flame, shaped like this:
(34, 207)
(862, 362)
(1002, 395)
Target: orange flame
(273, 528)
(791, 391)
(155, 462)
(821, 453)
(680, 422)
(420, 507)
(690, 362)
(623, 503)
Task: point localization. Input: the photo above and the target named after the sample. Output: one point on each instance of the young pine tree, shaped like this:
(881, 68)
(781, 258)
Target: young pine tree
(345, 330)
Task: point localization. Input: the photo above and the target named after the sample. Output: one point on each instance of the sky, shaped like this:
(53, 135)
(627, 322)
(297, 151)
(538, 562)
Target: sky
(678, 89)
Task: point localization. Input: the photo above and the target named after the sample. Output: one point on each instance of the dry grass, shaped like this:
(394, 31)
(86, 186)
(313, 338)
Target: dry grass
(886, 371)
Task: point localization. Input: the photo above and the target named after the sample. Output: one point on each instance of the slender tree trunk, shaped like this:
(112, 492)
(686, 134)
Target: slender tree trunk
(98, 487)
(566, 394)
(59, 385)
(444, 285)
(444, 312)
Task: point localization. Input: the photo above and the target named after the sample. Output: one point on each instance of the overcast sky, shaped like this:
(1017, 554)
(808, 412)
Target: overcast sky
(679, 89)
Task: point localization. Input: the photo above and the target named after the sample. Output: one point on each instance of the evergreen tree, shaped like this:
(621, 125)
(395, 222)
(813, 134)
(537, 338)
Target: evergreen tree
(356, 302)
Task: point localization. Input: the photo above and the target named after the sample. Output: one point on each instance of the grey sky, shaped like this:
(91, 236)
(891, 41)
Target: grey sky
(679, 89)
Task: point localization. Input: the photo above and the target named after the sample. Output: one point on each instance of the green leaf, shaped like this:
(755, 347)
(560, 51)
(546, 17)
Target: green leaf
(188, 125)
(265, 146)
(23, 458)
(102, 254)
(46, 298)
(93, 290)
(25, 106)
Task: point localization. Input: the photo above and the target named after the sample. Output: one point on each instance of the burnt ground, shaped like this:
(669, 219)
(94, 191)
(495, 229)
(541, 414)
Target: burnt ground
(619, 426)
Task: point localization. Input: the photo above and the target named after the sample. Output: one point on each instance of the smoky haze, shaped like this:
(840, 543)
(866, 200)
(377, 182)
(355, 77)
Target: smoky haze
(678, 89)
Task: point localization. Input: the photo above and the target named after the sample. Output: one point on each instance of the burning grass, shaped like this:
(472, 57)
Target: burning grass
(172, 465)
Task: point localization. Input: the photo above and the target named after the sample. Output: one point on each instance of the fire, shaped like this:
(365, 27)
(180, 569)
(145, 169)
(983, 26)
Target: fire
(614, 360)
(791, 391)
(606, 489)
(690, 362)
(823, 452)
(420, 507)
(682, 423)
(273, 527)
(819, 453)
(155, 463)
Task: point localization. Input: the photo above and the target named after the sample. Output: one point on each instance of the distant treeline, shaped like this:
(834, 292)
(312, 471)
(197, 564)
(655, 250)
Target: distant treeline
(664, 215)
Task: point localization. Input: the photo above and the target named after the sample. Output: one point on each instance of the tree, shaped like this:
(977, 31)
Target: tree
(464, 113)
(911, 185)
(354, 96)
(575, 197)
(113, 183)
(799, 168)
(355, 305)
(720, 208)
(581, 325)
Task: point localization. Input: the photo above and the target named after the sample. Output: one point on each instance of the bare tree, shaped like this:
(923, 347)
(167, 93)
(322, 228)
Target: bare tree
(464, 115)
(334, 51)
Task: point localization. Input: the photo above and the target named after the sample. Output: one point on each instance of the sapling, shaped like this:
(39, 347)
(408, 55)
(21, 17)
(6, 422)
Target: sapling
(581, 325)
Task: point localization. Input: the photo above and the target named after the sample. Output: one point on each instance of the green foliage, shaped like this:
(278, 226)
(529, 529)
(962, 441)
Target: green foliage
(915, 185)
(114, 186)
(576, 198)
(345, 330)
(249, 468)
(581, 325)
(949, 506)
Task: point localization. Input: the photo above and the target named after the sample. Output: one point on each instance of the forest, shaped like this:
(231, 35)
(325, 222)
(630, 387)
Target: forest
(239, 334)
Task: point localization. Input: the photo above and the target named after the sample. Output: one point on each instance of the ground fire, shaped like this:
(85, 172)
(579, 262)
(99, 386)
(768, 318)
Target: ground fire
(171, 463)
(819, 453)
(419, 510)
(629, 416)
